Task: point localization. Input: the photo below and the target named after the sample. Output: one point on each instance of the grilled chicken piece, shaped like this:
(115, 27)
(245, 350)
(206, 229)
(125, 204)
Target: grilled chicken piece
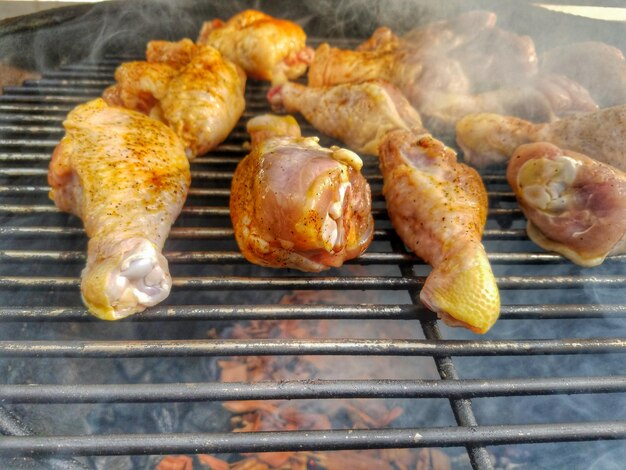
(126, 176)
(357, 114)
(266, 48)
(575, 205)
(297, 205)
(191, 88)
(598, 67)
(439, 208)
(490, 138)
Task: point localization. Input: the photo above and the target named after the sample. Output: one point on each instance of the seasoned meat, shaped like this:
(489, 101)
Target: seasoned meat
(266, 48)
(126, 176)
(297, 205)
(439, 208)
(575, 205)
(358, 114)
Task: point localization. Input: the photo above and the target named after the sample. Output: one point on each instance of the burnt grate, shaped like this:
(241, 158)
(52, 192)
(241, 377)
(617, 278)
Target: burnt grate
(554, 313)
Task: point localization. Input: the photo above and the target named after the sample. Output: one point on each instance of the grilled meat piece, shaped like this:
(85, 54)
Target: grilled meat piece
(297, 205)
(598, 67)
(266, 48)
(358, 114)
(126, 176)
(191, 88)
(439, 208)
(575, 205)
(490, 138)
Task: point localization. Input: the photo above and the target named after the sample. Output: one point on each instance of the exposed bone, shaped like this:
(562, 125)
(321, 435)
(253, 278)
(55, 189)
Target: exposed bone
(142, 278)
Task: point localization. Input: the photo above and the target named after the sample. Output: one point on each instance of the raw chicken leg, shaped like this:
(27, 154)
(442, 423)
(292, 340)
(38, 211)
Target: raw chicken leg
(439, 209)
(491, 138)
(266, 48)
(575, 205)
(358, 114)
(191, 88)
(295, 204)
(126, 176)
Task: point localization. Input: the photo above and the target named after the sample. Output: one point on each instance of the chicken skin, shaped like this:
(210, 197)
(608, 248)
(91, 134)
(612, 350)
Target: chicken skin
(266, 48)
(490, 138)
(575, 205)
(126, 176)
(297, 205)
(598, 67)
(449, 69)
(192, 89)
(358, 114)
(438, 207)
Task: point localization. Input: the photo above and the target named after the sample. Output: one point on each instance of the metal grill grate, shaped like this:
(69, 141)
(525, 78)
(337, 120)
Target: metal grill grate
(42, 252)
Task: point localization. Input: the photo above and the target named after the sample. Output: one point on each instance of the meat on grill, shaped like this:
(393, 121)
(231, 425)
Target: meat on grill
(358, 114)
(446, 69)
(266, 48)
(298, 205)
(191, 88)
(491, 138)
(598, 67)
(575, 205)
(439, 208)
(126, 176)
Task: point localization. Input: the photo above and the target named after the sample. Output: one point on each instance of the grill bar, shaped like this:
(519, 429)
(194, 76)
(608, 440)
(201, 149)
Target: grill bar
(237, 257)
(153, 444)
(342, 346)
(358, 283)
(309, 389)
(236, 313)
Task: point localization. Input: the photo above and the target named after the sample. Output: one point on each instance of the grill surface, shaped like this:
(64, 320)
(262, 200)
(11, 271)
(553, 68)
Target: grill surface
(561, 330)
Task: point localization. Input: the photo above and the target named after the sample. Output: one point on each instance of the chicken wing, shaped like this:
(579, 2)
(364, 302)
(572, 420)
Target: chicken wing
(266, 48)
(598, 67)
(575, 205)
(491, 138)
(297, 205)
(439, 209)
(126, 176)
(357, 114)
(191, 88)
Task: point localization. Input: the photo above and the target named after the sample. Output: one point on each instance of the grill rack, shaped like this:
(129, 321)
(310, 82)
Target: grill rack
(30, 126)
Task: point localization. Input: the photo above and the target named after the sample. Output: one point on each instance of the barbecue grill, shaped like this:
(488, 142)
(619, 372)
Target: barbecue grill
(73, 388)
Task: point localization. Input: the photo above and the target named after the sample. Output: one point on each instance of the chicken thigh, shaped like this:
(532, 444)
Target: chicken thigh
(297, 205)
(490, 138)
(575, 205)
(439, 209)
(358, 114)
(266, 48)
(126, 176)
(191, 88)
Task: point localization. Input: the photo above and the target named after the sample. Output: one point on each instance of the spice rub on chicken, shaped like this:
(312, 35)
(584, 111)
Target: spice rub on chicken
(491, 138)
(193, 89)
(358, 114)
(126, 176)
(266, 48)
(295, 204)
(575, 205)
(438, 207)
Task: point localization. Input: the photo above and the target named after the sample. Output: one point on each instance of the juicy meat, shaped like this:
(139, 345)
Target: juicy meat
(266, 48)
(126, 176)
(598, 67)
(191, 88)
(491, 138)
(439, 208)
(297, 205)
(575, 205)
(358, 114)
